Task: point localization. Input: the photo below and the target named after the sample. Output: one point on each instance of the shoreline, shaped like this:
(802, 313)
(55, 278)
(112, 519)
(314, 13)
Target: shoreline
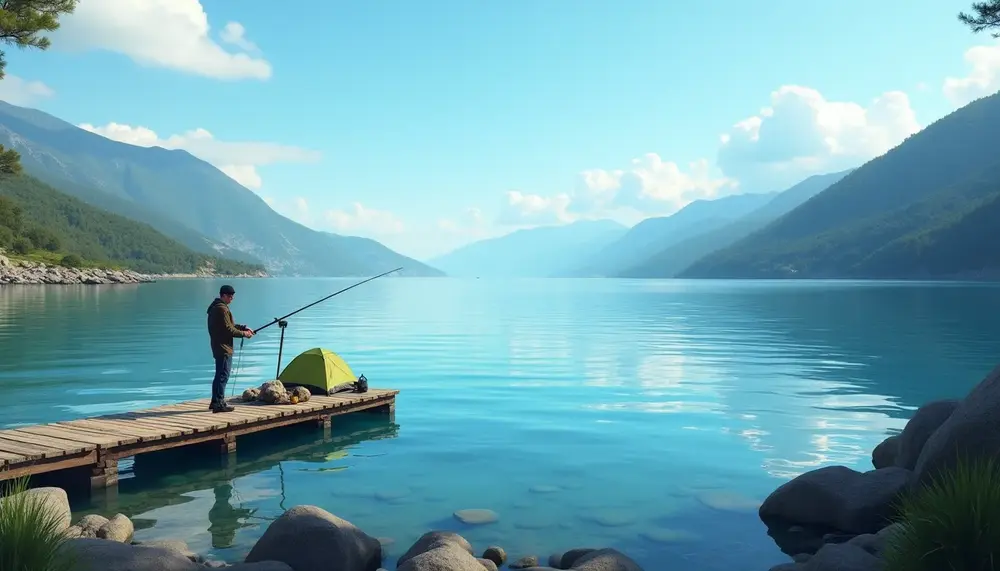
(24, 272)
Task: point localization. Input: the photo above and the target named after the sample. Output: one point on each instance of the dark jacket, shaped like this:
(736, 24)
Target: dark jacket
(221, 329)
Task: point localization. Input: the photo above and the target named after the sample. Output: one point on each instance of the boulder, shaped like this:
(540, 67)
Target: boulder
(176, 546)
(102, 555)
(251, 394)
(837, 497)
(54, 502)
(308, 538)
(605, 560)
(436, 541)
(496, 554)
(972, 430)
(273, 392)
(885, 454)
(90, 524)
(570, 557)
(301, 394)
(525, 562)
(488, 564)
(842, 557)
(118, 528)
(920, 427)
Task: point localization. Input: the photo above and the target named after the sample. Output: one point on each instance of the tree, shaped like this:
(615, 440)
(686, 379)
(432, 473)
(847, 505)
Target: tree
(22, 23)
(986, 17)
(10, 161)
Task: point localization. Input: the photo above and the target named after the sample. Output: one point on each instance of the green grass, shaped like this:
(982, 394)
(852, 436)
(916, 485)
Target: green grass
(56, 258)
(30, 539)
(950, 524)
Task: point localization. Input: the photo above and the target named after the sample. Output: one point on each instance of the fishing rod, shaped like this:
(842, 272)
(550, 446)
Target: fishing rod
(282, 323)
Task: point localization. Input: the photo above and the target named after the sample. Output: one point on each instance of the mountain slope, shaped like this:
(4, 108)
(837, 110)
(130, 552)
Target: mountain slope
(535, 252)
(70, 226)
(670, 261)
(890, 218)
(188, 196)
(652, 235)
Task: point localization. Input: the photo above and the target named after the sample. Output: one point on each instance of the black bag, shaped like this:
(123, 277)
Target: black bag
(361, 386)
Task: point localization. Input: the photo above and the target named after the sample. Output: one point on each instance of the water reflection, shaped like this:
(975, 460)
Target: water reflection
(218, 505)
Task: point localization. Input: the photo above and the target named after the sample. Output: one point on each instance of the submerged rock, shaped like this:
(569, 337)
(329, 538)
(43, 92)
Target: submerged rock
(476, 516)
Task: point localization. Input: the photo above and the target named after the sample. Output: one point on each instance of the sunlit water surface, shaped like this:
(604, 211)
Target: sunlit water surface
(648, 416)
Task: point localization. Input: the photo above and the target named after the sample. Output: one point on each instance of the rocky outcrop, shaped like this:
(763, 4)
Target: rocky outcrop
(18, 272)
(838, 519)
(53, 501)
(307, 538)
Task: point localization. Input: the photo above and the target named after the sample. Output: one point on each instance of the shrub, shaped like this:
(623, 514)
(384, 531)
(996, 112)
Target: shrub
(6, 236)
(21, 245)
(71, 261)
(30, 539)
(952, 523)
(44, 239)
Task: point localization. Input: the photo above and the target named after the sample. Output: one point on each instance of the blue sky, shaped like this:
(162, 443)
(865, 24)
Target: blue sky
(430, 124)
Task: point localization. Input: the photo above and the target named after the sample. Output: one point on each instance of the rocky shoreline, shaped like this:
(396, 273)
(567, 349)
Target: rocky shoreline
(304, 538)
(838, 519)
(21, 272)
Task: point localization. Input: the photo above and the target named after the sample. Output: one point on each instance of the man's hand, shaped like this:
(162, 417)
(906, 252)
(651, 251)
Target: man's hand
(248, 332)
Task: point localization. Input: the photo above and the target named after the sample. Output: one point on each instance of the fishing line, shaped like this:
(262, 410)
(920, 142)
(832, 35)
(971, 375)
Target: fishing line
(279, 320)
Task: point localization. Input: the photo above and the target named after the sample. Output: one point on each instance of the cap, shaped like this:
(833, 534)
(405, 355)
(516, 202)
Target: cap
(226, 290)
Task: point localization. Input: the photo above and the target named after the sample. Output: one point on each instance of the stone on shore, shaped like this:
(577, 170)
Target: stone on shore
(919, 429)
(307, 538)
(973, 428)
(440, 551)
(54, 502)
(90, 524)
(838, 498)
(605, 560)
(885, 454)
(525, 562)
(118, 528)
(488, 564)
(496, 554)
(22, 272)
(102, 555)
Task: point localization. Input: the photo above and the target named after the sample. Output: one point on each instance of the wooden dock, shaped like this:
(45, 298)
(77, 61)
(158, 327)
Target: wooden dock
(100, 442)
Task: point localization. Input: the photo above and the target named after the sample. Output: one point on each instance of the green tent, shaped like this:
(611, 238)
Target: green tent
(320, 370)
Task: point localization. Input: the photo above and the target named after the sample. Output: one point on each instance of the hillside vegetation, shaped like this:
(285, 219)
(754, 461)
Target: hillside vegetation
(185, 198)
(922, 210)
(37, 219)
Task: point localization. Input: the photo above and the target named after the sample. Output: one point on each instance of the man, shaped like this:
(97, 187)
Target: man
(221, 331)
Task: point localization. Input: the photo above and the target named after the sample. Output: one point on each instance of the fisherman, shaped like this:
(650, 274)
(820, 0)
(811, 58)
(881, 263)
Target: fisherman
(221, 331)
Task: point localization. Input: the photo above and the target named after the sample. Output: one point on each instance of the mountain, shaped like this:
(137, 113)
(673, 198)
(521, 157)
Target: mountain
(922, 210)
(670, 261)
(35, 216)
(185, 198)
(535, 252)
(652, 235)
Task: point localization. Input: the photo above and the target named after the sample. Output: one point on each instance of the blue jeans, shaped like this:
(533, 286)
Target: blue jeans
(222, 368)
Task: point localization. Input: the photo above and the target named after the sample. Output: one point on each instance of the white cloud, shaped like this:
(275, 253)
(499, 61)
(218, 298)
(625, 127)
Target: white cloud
(18, 91)
(472, 223)
(172, 34)
(363, 221)
(802, 133)
(520, 209)
(239, 160)
(650, 185)
(235, 34)
(983, 79)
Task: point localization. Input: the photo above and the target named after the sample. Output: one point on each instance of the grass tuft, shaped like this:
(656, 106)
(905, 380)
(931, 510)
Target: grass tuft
(950, 524)
(30, 539)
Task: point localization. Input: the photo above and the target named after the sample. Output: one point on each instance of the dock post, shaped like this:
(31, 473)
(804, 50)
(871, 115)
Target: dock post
(228, 444)
(388, 409)
(104, 473)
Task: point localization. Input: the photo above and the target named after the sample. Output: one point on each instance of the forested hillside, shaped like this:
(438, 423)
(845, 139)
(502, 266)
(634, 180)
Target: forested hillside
(36, 217)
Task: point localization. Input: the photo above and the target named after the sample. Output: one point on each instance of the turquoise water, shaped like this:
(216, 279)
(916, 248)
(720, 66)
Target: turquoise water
(649, 416)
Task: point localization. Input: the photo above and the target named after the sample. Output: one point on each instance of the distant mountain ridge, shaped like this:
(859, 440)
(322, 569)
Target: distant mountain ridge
(653, 235)
(186, 199)
(535, 252)
(670, 261)
(921, 210)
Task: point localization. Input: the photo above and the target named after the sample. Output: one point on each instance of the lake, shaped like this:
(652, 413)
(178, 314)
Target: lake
(650, 416)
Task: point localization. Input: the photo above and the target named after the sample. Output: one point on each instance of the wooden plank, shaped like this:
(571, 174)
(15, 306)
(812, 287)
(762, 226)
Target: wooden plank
(111, 427)
(27, 451)
(8, 457)
(76, 435)
(68, 446)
